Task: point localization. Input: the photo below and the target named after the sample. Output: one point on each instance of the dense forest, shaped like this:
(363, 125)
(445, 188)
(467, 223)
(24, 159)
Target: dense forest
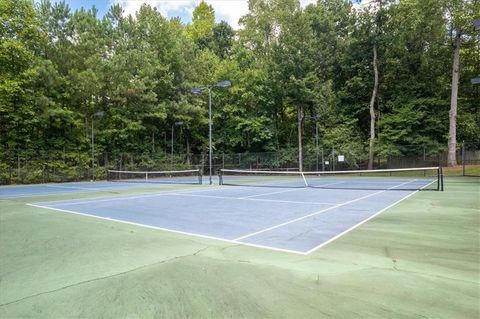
(373, 77)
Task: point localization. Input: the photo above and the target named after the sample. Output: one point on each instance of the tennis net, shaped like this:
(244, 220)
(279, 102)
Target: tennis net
(424, 178)
(193, 176)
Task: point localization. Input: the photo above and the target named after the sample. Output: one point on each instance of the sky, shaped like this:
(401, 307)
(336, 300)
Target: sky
(228, 10)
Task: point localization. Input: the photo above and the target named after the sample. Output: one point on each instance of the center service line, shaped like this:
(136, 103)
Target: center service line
(318, 212)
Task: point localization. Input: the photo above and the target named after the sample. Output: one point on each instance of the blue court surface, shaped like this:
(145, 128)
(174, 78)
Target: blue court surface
(16, 191)
(296, 220)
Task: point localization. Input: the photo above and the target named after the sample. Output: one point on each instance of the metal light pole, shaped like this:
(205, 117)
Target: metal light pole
(210, 150)
(316, 117)
(97, 114)
(316, 141)
(200, 90)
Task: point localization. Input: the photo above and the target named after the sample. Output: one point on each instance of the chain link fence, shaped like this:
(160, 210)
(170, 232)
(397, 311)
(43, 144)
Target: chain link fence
(42, 167)
(470, 162)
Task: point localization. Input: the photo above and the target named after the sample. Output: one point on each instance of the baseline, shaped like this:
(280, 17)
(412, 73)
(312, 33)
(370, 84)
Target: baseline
(170, 230)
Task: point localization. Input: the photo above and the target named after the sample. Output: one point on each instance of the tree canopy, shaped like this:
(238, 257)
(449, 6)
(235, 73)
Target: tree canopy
(59, 67)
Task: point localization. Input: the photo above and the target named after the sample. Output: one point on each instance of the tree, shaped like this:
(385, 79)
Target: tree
(460, 14)
(413, 79)
(222, 39)
(203, 22)
(294, 64)
(373, 81)
(19, 50)
(377, 12)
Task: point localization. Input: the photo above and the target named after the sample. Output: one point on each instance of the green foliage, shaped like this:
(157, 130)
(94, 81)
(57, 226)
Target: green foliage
(58, 68)
(18, 52)
(413, 123)
(203, 21)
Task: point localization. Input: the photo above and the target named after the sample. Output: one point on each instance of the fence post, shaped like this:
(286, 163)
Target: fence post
(333, 159)
(323, 162)
(463, 158)
(440, 186)
(18, 166)
(44, 170)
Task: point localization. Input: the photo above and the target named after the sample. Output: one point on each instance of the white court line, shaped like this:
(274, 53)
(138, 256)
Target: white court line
(360, 223)
(106, 189)
(52, 186)
(252, 199)
(169, 230)
(271, 193)
(329, 184)
(18, 196)
(34, 195)
(318, 212)
(91, 189)
(144, 195)
(235, 241)
(285, 191)
(74, 187)
(114, 198)
(364, 221)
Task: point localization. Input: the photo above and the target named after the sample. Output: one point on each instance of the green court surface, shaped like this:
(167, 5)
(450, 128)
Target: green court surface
(419, 259)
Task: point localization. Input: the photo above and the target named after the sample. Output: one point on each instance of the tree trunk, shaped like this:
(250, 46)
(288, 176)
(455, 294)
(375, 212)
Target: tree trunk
(452, 136)
(300, 148)
(188, 151)
(86, 127)
(372, 108)
(153, 142)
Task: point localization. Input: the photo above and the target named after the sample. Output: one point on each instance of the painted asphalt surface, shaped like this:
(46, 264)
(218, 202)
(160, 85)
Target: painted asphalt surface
(65, 188)
(297, 220)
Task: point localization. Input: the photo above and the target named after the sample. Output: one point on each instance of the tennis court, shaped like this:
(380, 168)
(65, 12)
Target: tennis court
(248, 248)
(116, 182)
(276, 214)
(63, 188)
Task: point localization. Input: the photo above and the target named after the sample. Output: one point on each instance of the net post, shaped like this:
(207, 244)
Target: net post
(220, 177)
(333, 158)
(441, 179)
(146, 176)
(200, 177)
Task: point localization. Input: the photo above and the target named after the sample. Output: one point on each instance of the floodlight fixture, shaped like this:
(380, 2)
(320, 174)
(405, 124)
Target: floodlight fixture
(224, 84)
(476, 24)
